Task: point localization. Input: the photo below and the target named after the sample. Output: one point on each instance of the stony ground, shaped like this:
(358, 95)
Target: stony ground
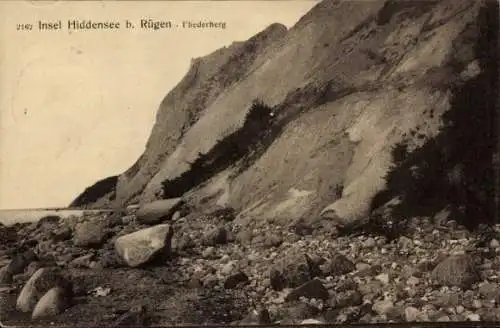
(218, 272)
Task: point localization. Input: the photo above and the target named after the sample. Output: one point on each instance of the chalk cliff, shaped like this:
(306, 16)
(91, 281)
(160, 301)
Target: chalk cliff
(359, 103)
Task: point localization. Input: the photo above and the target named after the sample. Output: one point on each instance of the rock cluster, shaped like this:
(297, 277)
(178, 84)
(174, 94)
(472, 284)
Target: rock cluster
(257, 275)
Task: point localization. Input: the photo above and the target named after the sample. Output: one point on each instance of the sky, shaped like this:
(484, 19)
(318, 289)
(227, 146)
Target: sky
(78, 106)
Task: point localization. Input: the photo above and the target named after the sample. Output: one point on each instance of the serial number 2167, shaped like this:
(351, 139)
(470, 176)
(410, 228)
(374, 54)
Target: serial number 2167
(24, 27)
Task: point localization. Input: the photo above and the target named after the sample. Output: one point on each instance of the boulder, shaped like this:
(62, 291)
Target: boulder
(17, 265)
(55, 301)
(5, 275)
(157, 211)
(92, 233)
(49, 220)
(142, 246)
(21, 261)
(456, 270)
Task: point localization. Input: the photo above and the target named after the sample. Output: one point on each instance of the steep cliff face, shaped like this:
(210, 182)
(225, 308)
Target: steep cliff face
(207, 78)
(337, 93)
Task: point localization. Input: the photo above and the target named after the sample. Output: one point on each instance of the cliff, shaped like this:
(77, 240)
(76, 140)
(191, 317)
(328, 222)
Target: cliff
(357, 104)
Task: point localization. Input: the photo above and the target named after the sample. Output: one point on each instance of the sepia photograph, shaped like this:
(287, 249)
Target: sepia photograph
(237, 163)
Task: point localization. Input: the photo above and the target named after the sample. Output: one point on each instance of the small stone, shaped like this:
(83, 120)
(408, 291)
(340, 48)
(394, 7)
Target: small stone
(468, 299)
(82, 261)
(337, 265)
(208, 252)
(32, 268)
(383, 307)
(256, 317)
(100, 291)
(490, 291)
(295, 268)
(429, 238)
(348, 298)
(311, 322)
(228, 268)
(369, 243)
(184, 242)
(295, 312)
(5, 275)
(212, 237)
(373, 287)
(423, 317)
(253, 257)
(383, 277)
(210, 281)
(61, 234)
(128, 219)
(490, 315)
(448, 299)
(277, 281)
(411, 314)
(412, 281)
(473, 317)
(225, 259)
(405, 243)
(460, 309)
(381, 241)
(271, 240)
(244, 237)
(311, 289)
(444, 318)
(235, 280)
(344, 285)
(94, 265)
(494, 243)
(176, 216)
(362, 267)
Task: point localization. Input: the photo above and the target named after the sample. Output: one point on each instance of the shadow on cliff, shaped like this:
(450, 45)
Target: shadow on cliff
(456, 169)
(226, 152)
(263, 125)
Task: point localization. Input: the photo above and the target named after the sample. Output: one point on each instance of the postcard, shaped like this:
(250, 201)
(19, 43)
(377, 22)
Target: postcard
(248, 162)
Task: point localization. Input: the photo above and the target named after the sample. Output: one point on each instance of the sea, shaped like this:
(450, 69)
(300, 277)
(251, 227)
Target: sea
(10, 217)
